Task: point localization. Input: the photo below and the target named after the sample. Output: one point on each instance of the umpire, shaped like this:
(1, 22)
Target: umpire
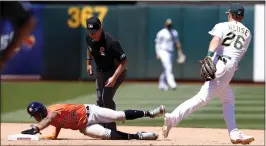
(110, 61)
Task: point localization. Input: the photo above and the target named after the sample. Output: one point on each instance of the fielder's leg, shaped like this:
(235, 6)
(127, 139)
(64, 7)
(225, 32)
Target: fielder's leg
(167, 65)
(98, 131)
(162, 82)
(228, 99)
(206, 93)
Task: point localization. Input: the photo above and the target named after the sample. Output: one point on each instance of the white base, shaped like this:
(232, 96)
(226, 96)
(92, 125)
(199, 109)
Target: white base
(23, 137)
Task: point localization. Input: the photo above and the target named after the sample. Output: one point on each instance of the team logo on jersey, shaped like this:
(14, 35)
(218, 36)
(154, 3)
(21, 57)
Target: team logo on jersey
(102, 51)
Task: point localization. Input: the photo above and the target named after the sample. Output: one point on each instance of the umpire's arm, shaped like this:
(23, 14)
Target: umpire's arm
(89, 57)
(89, 60)
(121, 57)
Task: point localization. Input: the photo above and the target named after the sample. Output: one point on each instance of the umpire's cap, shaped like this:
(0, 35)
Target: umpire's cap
(93, 25)
(236, 9)
(37, 108)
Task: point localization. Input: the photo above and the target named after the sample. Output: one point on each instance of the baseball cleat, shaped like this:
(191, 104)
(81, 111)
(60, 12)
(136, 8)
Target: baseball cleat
(163, 89)
(147, 136)
(166, 128)
(237, 137)
(157, 112)
(174, 88)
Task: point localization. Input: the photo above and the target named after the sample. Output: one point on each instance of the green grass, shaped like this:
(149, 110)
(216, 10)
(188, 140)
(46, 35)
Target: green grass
(18, 95)
(249, 102)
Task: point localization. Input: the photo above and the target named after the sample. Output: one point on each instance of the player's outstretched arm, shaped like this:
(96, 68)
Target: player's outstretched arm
(53, 136)
(120, 56)
(43, 124)
(89, 63)
(47, 120)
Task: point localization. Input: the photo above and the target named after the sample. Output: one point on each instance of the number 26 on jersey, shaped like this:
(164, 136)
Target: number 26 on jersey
(237, 41)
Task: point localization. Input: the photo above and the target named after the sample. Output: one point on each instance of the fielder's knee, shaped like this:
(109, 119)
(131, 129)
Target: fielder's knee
(203, 98)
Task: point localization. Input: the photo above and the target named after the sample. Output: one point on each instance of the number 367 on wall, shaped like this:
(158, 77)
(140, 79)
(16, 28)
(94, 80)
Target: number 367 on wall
(78, 16)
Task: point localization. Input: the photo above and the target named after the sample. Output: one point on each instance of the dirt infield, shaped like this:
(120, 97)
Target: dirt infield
(178, 136)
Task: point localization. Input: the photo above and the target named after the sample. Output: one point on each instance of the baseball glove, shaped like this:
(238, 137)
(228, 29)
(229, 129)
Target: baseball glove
(181, 59)
(208, 69)
(34, 130)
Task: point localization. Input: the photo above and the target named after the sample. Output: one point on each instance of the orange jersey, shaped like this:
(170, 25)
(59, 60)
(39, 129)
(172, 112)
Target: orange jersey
(69, 116)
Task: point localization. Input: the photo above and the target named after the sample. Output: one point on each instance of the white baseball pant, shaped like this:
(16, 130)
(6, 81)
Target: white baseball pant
(100, 115)
(167, 76)
(217, 87)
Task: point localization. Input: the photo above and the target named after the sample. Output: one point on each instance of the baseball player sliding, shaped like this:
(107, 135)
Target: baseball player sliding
(229, 43)
(87, 119)
(165, 43)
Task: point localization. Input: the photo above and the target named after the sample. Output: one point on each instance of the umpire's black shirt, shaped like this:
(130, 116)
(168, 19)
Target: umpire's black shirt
(106, 52)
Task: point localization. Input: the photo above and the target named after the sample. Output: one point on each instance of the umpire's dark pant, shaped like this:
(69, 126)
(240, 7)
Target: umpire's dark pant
(105, 95)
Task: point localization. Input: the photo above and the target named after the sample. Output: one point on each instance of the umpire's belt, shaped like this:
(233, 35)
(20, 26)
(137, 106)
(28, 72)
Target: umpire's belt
(223, 58)
(87, 110)
(105, 70)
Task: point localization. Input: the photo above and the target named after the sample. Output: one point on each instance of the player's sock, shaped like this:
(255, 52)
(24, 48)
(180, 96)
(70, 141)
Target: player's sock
(135, 114)
(118, 135)
(147, 114)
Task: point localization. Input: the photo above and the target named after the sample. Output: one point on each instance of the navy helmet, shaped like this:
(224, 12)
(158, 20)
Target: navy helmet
(37, 108)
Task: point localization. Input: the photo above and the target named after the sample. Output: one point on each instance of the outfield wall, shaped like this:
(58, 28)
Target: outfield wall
(64, 46)
(259, 44)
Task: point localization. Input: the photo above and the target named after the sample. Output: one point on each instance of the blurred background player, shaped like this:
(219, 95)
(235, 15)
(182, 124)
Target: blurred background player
(227, 48)
(20, 15)
(86, 119)
(165, 43)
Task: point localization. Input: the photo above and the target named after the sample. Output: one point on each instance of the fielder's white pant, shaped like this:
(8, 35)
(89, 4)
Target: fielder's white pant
(167, 76)
(99, 115)
(217, 87)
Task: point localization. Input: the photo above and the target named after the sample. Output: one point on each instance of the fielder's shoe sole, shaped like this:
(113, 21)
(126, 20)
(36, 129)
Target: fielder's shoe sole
(147, 136)
(237, 137)
(157, 112)
(244, 140)
(165, 128)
